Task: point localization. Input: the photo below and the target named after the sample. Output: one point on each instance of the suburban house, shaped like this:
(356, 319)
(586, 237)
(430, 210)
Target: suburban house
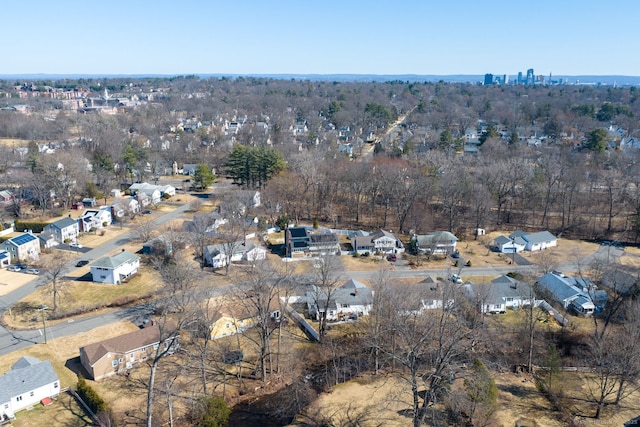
(437, 242)
(48, 239)
(116, 355)
(29, 381)
(351, 299)
(379, 242)
(216, 255)
(576, 294)
(115, 269)
(23, 247)
(64, 230)
(536, 241)
(506, 245)
(428, 294)
(6, 197)
(155, 192)
(502, 293)
(5, 258)
(306, 241)
(92, 219)
(233, 318)
(122, 206)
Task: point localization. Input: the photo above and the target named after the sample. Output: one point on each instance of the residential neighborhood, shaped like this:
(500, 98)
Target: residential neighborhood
(269, 240)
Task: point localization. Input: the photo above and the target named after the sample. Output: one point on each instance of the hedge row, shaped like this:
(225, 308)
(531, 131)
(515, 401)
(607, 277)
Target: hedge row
(92, 399)
(35, 227)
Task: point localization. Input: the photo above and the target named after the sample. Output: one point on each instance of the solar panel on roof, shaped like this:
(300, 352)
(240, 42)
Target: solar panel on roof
(20, 240)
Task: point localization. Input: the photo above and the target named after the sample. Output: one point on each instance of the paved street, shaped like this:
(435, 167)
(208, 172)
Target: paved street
(11, 340)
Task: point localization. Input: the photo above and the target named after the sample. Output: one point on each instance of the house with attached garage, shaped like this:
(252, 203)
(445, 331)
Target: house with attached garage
(65, 230)
(29, 382)
(24, 247)
(575, 294)
(379, 242)
(522, 241)
(119, 354)
(115, 269)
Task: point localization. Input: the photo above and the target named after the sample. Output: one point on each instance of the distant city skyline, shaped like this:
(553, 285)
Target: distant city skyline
(425, 37)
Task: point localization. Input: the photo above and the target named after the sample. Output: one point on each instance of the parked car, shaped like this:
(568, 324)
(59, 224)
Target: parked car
(82, 263)
(32, 271)
(14, 268)
(456, 279)
(75, 245)
(21, 266)
(392, 257)
(146, 212)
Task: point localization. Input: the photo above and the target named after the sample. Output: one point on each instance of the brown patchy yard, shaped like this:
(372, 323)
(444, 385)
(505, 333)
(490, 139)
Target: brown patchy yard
(379, 399)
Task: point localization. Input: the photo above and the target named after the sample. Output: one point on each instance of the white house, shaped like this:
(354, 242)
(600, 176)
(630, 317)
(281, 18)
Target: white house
(506, 245)
(29, 381)
(122, 206)
(352, 298)
(520, 241)
(380, 241)
(115, 269)
(503, 293)
(216, 255)
(535, 241)
(95, 218)
(64, 230)
(437, 242)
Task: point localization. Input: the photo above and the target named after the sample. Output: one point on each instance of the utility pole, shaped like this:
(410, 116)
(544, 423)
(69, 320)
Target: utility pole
(44, 324)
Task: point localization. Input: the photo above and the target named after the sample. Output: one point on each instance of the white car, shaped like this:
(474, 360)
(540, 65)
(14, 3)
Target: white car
(456, 279)
(32, 271)
(75, 245)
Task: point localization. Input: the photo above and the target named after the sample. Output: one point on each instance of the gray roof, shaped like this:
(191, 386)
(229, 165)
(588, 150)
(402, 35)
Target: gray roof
(540, 237)
(501, 288)
(561, 287)
(435, 238)
(239, 247)
(501, 240)
(64, 223)
(115, 261)
(26, 374)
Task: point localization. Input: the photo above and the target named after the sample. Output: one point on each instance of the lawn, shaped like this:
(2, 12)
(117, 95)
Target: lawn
(60, 351)
(79, 296)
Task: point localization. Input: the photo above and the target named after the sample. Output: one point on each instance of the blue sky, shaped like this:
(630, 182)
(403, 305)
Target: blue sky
(563, 37)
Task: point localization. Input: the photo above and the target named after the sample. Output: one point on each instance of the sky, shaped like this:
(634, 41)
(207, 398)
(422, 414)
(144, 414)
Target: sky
(425, 37)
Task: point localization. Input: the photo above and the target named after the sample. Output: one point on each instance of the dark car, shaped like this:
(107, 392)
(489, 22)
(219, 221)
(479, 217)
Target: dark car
(146, 212)
(21, 266)
(392, 258)
(82, 263)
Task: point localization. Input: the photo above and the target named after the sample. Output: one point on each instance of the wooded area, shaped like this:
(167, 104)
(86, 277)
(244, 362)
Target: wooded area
(411, 157)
